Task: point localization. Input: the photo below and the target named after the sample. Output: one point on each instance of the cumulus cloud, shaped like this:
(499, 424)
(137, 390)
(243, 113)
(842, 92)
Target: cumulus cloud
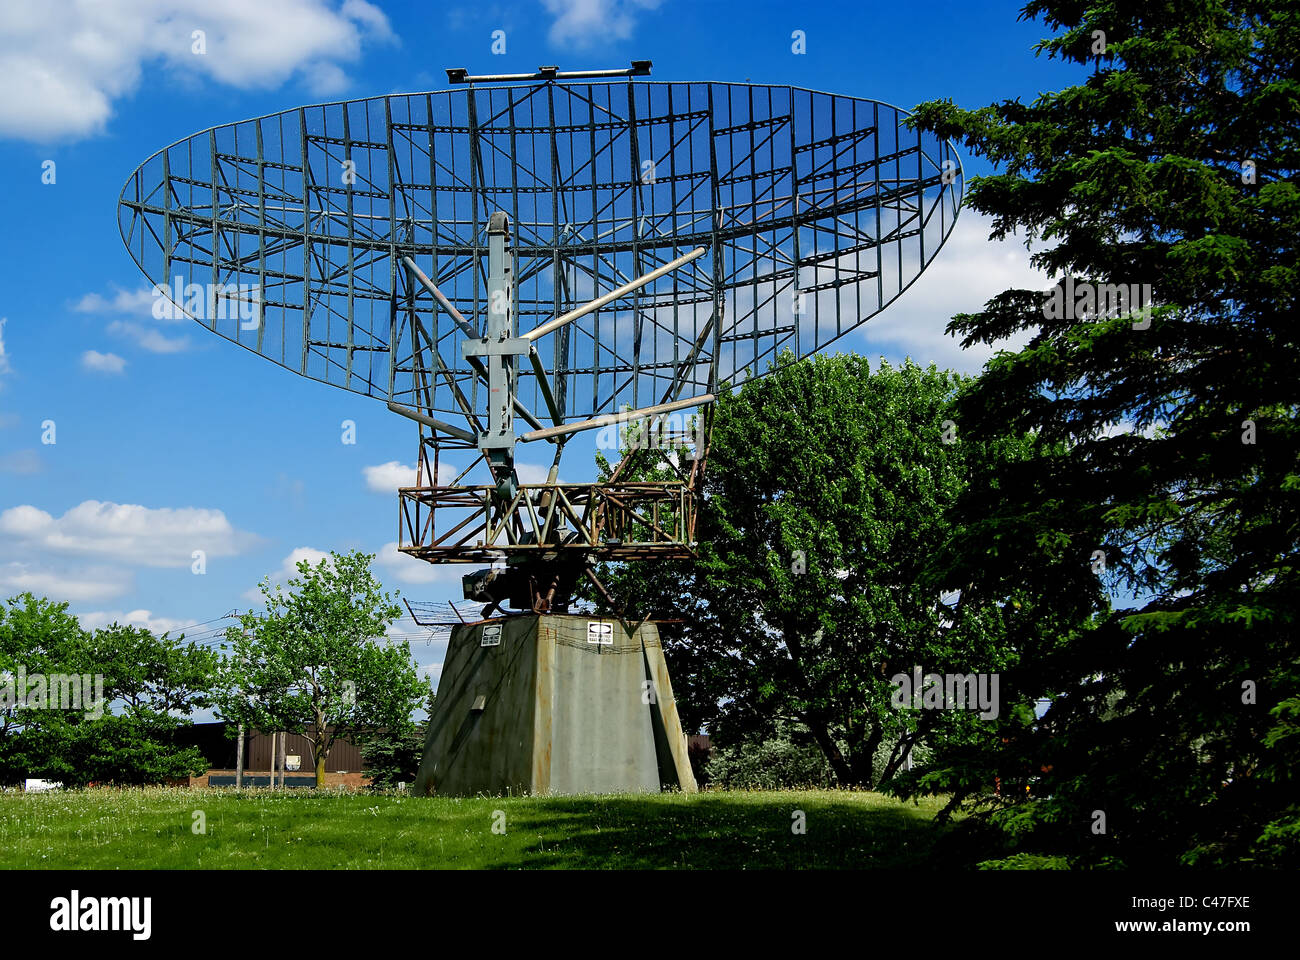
(389, 566)
(85, 585)
(148, 338)
(409, 570)
(534, 472)
(969, 270)
(126, 533)
(119, 301)
(387, 477)
(588, 24)
(102, 362)
(288, 568)
(65, 62)
(133, 618)
(137, 311)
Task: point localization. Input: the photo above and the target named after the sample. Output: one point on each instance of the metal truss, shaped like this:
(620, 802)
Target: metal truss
(815, 211)
(653, 242)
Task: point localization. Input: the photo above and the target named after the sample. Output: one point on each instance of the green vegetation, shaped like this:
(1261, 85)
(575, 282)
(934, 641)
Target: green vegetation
(102, 706)
(108, 706)
(1170, 435)
(309, 663)
(830, 487)
(154, 828)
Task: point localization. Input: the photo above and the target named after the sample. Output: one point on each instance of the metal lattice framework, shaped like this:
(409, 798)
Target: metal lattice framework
(349, 243)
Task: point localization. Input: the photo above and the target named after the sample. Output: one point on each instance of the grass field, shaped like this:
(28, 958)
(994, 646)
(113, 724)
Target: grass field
(156, 828)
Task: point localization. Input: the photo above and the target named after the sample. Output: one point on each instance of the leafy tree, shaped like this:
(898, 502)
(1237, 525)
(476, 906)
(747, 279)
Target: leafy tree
(829, 488)
(788, 759)
(148, 684)
(315, 663)
(37, 636)
(393, 756)
(155, 684)
(1170, 444)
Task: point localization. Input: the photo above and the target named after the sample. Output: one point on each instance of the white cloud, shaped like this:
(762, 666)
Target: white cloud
(121, 301)
(387, 477)
(389, 565)
(968, 271)
(102, 362)
(288, 568)
(588, 24)
(148, 338)
(409, 570)
(534, 472)
(138, 311)
(65, 62)
(133, 618)
(87, 585)
(126, 533)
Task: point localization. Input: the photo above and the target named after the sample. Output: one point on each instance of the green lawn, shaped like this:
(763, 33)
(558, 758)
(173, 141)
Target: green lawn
(154, 828)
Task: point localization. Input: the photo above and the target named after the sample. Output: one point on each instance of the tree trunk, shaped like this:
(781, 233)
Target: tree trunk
(897, 757)
(320, 748)
(864, 758)
(829, 748)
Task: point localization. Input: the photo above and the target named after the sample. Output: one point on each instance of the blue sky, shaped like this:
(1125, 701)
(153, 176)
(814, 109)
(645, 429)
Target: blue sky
(169, 439)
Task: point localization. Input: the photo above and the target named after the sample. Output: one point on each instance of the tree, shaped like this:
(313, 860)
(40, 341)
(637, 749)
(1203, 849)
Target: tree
(155, 683)
(394, 756)
(316, 663)
(829, 487)
(37, 636)
(786, 760)
(1170, 436)
(133, 692)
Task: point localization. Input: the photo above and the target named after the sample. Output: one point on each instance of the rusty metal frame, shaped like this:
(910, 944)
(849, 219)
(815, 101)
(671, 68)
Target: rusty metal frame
(625, 520)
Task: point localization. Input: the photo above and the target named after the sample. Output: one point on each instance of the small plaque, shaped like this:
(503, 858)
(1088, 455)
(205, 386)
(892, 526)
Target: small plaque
(491, 635)
(292, 761)
(601, 633)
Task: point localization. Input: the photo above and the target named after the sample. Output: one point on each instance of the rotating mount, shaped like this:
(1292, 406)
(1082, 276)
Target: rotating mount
(541, 538)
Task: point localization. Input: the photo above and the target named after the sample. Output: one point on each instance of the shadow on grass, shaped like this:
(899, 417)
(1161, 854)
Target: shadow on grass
(726, 832)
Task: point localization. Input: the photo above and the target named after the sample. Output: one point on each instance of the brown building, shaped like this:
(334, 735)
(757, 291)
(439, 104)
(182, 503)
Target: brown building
(219, 744)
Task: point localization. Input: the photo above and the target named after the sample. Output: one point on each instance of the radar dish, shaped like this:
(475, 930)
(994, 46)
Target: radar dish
(814, 211)
(643, 245)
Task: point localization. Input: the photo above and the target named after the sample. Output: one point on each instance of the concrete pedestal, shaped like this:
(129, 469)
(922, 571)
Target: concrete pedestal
(553, 704)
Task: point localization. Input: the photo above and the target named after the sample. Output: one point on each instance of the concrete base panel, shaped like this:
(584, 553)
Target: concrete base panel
(554, 704)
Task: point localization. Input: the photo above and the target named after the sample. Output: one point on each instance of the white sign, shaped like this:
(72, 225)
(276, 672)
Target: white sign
(292, 761)
(491, 635)
(601, 633)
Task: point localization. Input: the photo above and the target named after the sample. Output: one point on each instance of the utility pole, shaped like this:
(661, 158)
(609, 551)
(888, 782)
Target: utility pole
(239, 750)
